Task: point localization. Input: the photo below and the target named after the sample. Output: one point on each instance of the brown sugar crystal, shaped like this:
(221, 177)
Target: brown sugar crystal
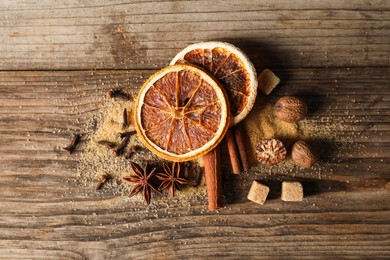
(292, 191)
(267, 81)
(258, 193)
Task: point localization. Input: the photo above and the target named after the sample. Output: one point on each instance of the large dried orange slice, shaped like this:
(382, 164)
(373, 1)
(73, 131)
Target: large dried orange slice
(231, 67)
(181, 113)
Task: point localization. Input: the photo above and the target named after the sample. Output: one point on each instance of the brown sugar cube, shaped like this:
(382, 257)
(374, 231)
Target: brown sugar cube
(258, 193)
(267, 81)
(292, 191)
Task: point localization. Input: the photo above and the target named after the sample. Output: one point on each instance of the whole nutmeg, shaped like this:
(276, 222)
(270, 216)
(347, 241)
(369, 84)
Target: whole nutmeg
(302, 154)
(270, 152)
(290, 109)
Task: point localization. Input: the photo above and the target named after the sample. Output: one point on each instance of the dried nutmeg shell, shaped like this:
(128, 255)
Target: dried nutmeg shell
(270, 152)
(303, 155)
(290, 109)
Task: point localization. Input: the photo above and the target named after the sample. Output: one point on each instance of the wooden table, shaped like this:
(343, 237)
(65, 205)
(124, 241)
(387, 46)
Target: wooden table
(59, 57)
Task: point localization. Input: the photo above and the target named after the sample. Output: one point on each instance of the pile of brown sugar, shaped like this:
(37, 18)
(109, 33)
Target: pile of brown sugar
(320, 132)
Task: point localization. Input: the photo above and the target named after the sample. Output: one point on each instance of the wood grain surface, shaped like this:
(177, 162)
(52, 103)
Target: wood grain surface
(147, 34)
(59, 58)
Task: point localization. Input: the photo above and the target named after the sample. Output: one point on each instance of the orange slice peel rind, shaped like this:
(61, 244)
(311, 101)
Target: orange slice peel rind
(231, 67)
(181, 113)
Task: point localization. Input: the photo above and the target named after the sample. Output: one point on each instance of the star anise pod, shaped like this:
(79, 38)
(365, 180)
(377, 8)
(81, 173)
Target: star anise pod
(142, 179)
(171, 178)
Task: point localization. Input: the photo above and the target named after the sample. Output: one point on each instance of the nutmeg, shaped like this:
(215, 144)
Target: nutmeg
(270, 152)
(303, 155)
(290, 109)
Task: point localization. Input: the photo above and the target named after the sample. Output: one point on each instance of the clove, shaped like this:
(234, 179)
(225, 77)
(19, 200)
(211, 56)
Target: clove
(196, 178)
(117, 94)
(130, 133)
(107, 144)
(73, 143)
(119, 150)
(187, 166)
(193, 175)
(131, 151)
(103, 179)
(125, 123)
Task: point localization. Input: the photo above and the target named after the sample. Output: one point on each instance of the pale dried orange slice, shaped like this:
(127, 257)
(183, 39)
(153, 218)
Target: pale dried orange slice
(231, 67)
(181, 113)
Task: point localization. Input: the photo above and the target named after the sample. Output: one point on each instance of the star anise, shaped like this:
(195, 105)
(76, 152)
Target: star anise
(142, 180)
(171, 178)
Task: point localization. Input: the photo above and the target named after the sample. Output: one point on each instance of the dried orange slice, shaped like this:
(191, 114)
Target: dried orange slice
(181, 113)
(231, 67)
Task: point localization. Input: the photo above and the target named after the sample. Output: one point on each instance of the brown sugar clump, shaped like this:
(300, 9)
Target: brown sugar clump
(292, 191)
(267, 81)
(258, 193)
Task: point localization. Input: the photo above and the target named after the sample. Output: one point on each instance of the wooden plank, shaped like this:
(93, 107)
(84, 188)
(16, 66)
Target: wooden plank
(147, 34)
(48, 212)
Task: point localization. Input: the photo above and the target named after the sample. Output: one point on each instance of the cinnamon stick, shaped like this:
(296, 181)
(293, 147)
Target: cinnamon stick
(213, 172)
(239, 136)
(233, 152)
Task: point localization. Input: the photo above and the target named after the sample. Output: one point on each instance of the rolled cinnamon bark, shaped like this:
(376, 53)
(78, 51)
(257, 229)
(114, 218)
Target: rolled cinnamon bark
(239, 136)
(233, 152)
(213, 172)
